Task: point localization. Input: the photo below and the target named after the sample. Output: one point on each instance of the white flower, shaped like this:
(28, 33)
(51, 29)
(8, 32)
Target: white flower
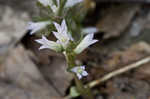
(49, 44)
(36, 26)
(46, 2)
(87, 41)
(89, 30)
(62, 33)
(80, 71)
(51, 4)
(71, 3)
(54, 7)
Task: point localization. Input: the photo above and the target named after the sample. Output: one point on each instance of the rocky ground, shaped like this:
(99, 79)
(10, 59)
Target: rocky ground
(27, 73)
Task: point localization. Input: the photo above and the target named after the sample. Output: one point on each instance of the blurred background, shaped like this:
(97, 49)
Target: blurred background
(124, 38)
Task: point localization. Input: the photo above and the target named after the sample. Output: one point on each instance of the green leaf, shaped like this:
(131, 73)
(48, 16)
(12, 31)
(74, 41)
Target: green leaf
(73, 92)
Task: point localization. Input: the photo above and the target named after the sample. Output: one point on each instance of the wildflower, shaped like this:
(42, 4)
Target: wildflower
(54, 7)
(62, 33)
(46, 2)
(49, 44)
(90, 30)
(36, 26)
(87, 41)
(71, 3)
(51, 4)
(80, 71)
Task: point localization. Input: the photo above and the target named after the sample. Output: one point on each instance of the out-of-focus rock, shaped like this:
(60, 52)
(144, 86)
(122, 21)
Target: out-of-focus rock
(116, 19)
(12, 28)
(137, 26)
(20, 70)
(56, 74)
(121, 58)
(52, 65)
(140, 22)
(127, 88)
(13, 23)
(21, 5)
(11, 91)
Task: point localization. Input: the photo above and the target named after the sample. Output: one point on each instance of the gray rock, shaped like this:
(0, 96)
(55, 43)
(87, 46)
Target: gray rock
(12, 28)
(57, 75)
(14, 16)
(116, 19)
(21, 71)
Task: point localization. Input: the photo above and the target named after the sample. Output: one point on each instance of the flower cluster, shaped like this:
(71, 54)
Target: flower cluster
(55, 8)
(63, 40)
(62, 36)
(37, 26)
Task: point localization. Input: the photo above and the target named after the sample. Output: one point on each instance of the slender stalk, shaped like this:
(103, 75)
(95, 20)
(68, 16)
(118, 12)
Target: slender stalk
(119, 71)
(84, 91)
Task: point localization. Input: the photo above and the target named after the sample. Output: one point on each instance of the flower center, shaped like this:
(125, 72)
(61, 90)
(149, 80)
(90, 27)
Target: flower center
(80, 70)
(64, 40)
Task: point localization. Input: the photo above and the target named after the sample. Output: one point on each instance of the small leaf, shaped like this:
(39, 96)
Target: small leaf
(73, 92)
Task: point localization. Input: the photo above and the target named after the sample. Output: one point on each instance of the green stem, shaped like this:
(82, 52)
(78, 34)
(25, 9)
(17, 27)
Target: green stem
(85, 92)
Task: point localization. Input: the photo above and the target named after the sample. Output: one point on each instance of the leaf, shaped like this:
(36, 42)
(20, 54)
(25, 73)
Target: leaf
(73, 92)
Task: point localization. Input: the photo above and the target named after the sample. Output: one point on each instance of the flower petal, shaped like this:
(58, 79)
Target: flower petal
(64, 26)
(90, 30)
(84, 73)
(62, 33)
(82, 67)
(48, 44)
(71, 3)
(58, 27)
(75, 69)
(46, 2)
(79, 75)
(58, 2)
(56, 34)
(87, 41)
(36, 26)
(54, 8)
(93, 41)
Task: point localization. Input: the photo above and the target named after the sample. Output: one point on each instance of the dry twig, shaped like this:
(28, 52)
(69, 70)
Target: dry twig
(119, 71)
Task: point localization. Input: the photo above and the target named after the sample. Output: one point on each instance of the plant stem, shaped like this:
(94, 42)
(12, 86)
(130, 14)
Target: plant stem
(84, 91)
